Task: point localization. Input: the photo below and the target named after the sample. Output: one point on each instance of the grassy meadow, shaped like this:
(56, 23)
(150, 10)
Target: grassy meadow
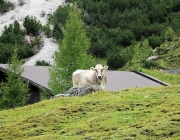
(149, 113)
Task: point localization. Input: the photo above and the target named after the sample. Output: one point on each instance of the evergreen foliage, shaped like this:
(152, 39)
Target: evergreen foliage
(43, 93)
(7, 49)
(57, 32)
(72, 54)
(169, 34)
(58, 19)
(32, 25)
(113, 23)
(12, 35)
(141, 52)
(47, 30)
(14, 92)
(5, 6)
(118, 57)
(42, 63)
(61, 14)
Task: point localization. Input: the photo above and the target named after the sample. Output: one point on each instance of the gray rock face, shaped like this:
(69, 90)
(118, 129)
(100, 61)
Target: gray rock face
(75, 91)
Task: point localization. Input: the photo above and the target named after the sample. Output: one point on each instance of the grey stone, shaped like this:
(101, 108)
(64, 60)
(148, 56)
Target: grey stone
(75, 91)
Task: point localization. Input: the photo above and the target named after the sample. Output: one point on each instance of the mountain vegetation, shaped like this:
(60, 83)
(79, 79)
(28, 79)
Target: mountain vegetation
(5, 6)
(114, 26)
(13, 91)
(72, 54)
(124, 33)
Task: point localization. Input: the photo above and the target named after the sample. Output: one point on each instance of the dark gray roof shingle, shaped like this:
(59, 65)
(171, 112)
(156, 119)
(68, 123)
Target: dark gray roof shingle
(116, 80)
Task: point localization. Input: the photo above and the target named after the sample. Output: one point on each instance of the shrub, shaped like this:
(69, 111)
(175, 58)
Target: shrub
(6, 49)
(57, 32)
(32, 25)
(12, 35)
(127, 37)
(42, 63)
(47, 30)
(155, 41)
(169, 34)
(5, 6)
(148, 64)
(14, 91)
(117, 58)
(61, 14)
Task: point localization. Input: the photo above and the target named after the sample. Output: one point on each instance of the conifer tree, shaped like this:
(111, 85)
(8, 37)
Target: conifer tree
(14, 92)
(73, 53)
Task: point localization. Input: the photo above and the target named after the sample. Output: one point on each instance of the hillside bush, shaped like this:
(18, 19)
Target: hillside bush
(42, 63)
(57, 32)
(118, 57)
(32, 26)
(169, 34)
(5, 6)
(61, 14)
(141, 52)
(47, 30)
(150, 64)
(6, 52)
(58, 19)
(155, 41)
(12, 34)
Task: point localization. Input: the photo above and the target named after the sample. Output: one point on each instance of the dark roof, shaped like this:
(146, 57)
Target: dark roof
(116, 80)
(36, 75)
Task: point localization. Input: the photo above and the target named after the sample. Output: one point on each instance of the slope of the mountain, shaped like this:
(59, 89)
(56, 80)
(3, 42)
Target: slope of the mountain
(40, 10)
(168, 54)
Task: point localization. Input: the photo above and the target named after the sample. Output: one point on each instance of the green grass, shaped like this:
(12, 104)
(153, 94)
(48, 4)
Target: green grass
(138, 114)
(171, 79)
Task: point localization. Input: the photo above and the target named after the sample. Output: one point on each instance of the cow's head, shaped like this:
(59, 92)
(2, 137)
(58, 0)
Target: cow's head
(99, 69)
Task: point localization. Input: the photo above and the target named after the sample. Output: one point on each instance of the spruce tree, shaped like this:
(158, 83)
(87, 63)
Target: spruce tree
(14, 92)
(73, 53)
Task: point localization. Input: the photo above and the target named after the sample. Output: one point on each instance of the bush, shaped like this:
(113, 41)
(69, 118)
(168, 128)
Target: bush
(155, 41)
(57, 32)
(117, 58)
(47, 30)
(6, 49)
(169, 34)
(61, 14)
(42, 63)
(148, 64)
(12, 35)
(32, 25)
(127, 37)
(5, 6)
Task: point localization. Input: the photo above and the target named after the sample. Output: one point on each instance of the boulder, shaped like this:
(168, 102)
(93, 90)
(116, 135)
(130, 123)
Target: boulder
(75, 91)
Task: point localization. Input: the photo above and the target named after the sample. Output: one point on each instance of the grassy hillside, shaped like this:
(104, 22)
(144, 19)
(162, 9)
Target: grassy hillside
(172, 79)
(169, 53)
(142, 113)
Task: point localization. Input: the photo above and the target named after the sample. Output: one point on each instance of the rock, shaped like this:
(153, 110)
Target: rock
(75, 91)
(152, 57)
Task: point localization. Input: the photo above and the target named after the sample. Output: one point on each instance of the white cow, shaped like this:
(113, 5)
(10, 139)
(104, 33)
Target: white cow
(95, 77)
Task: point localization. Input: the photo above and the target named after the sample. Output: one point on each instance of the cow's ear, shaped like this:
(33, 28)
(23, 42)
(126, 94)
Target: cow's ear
(92, 68)
(105, 67)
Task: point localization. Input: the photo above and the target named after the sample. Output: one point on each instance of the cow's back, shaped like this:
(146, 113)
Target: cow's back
(83, 78)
